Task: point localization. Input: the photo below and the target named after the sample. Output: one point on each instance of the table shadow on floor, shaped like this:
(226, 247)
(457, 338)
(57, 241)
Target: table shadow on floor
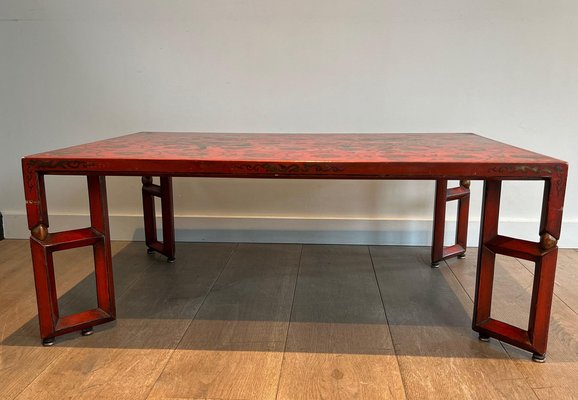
(163, 305)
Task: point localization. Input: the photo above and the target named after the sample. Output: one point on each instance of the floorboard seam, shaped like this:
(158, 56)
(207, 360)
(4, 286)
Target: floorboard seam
(172, 352)
(534, 391)
(289, 324)
(56, 358)
(41, 373)
(126, 290)
(555, 294)
(566, 304)
(458, 280)
(387, 322)
(502, 345)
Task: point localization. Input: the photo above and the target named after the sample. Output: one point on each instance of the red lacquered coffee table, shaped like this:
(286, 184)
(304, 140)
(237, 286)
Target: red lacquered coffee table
(433, 156)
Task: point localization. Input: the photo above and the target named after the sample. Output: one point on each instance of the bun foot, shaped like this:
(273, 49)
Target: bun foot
(87, 331)
(539, 358)
(484, 338)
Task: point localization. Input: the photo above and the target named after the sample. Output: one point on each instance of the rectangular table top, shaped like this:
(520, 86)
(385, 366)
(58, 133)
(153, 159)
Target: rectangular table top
(427, 155)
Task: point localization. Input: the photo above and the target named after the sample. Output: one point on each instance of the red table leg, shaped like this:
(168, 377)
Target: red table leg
(165, 192)
(443, 195)
(44, 244)
(542, 253)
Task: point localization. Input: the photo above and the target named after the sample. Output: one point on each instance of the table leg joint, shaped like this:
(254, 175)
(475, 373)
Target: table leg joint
(547, 241)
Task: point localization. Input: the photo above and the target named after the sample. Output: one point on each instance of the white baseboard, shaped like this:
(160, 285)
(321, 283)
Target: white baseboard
(411, 232)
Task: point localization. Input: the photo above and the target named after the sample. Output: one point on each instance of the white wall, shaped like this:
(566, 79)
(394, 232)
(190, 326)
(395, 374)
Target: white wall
(76, 71)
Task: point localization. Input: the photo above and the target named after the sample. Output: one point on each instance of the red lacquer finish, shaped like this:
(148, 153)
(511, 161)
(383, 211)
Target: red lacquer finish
(442, 197)
(44, 244)
(440, 157)
(370, 156)
(165, 192)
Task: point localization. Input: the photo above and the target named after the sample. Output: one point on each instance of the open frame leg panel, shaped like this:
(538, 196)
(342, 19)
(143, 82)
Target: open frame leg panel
(164, 191)
(43, 244)
(543, 254)
(444, 195)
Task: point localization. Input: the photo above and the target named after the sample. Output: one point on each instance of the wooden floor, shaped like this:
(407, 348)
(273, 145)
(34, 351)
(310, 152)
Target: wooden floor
(253, 321)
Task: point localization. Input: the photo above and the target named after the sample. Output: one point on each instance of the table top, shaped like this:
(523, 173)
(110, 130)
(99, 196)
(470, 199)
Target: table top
(424, 155)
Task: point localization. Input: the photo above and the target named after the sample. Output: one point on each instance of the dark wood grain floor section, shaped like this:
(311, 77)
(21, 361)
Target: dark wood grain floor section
(258, 321)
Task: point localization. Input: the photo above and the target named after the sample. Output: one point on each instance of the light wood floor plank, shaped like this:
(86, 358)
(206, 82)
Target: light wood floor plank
(219, 374)
(124, 360)
(338, 346)
(234, 347)
(103, 374)
(158, 305)
(340, 376)
(262, 332)
(429, 317)
(21, 365)
(12, 254)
